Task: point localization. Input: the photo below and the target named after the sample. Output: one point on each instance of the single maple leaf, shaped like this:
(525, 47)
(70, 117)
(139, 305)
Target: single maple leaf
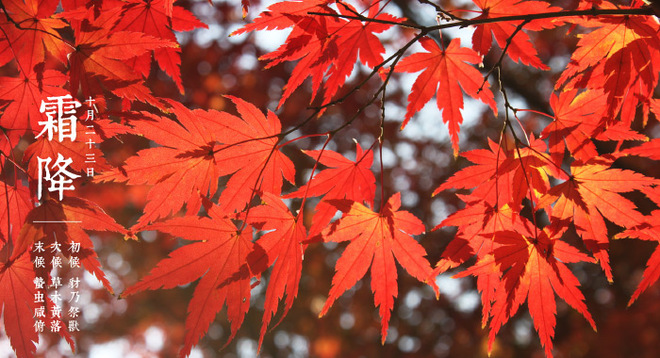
(249, 152)
(281, 246)
(180, 170)
(375, 240)
(591, 194)
(313, 44)
(38, 34)
(344, 179)
(219, 256)
(445, 72)
(650, 149)
(24, 94)
(533, 270)
(571, 113)
(17, 301)
(491, 163)
(579, 119)
(619, 131)
(151, 18)
(520, 48)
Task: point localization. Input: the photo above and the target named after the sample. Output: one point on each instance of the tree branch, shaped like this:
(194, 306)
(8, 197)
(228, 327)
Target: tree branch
(482, 21)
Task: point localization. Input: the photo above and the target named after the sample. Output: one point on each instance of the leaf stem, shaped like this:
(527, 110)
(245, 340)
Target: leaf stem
(303, 137)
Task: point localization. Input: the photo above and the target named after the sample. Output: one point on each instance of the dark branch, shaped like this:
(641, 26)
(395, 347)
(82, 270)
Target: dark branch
(482, 21)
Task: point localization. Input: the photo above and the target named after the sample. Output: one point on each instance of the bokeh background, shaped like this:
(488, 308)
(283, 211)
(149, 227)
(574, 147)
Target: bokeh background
(415, 161)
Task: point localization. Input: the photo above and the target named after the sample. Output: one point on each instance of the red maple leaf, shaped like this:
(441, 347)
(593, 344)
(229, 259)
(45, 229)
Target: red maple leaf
(569, 129)
(283, 14)
(344, 179)
(17, 301)
(37, 36)
(100, 58)
(619, 56)
(311, 43)
(580, 118)
(151, 18)
(505, 176)
(249, 152)
(533, 269)
(281, 247)
(445, 72)
(593, 193)
(375, 240)
(355, 38)
(324, 46)
(218, 255)
(24, 94)
(488, 177)
(650, 149)
(520, 48)
(477, 224)
(184, 164)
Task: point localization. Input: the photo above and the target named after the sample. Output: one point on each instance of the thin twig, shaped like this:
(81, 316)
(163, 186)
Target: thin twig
(360, 17)
(380, 150)
(443, 13)
(498, 64)
(311, 176)
(507, 107)
(481, 21)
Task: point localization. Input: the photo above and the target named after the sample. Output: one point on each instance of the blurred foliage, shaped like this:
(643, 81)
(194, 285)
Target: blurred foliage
(416, 161)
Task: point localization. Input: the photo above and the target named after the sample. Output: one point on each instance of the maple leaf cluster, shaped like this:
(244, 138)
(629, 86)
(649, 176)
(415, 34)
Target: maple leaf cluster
(224, 180)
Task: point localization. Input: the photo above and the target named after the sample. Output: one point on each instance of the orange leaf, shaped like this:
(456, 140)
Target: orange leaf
(619, 56)
(445, 72)
(375, 240)
(184, 165)
(533, 271)
(281, 246)
(344, 179)
(219, 256)
(520, 48)
(592, 191)
(249, 152)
